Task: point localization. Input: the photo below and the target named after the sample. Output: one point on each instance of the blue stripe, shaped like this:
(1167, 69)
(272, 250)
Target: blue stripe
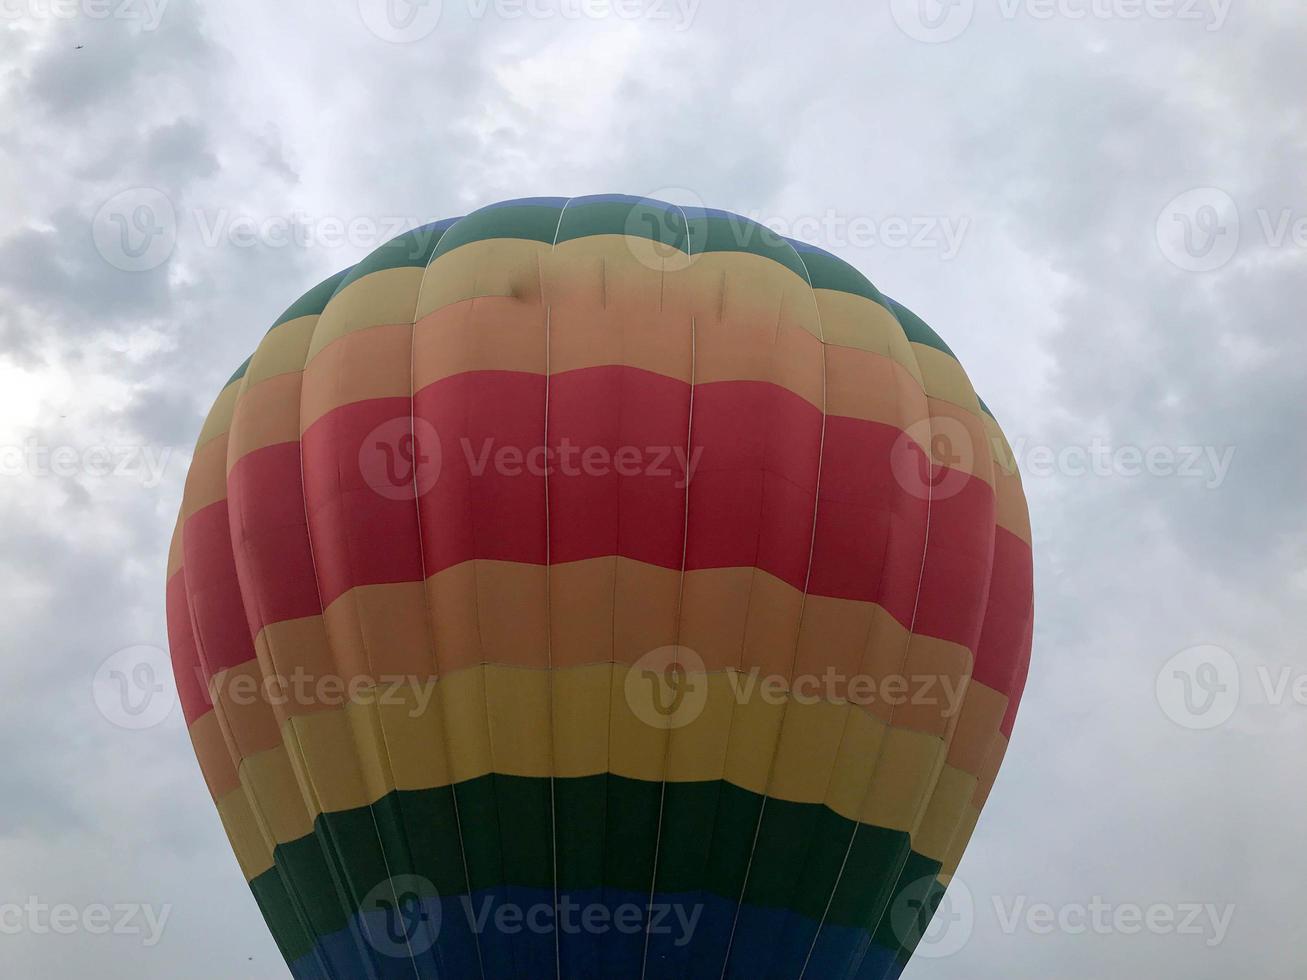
(595, 934)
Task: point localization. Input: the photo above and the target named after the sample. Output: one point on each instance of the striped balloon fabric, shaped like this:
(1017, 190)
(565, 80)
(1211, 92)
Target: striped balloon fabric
(600, 588)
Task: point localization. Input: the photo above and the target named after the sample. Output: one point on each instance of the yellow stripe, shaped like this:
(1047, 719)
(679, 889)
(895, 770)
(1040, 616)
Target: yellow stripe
(266, 414)
(214, 755)
(218, 421)
(282, 350)
(371, 362)
(962, 834)
(945, 378)
(253, 851)
(489, 719)
(387, 296)
(732, 618)
(271, 781)
(502, 267)
(175, 549)
(978, 725)
(944, 814)
(206, 480)
(857, 322)
(906, 773)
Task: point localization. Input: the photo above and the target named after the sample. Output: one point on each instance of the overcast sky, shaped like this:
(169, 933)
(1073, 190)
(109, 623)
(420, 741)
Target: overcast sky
(1100, 204)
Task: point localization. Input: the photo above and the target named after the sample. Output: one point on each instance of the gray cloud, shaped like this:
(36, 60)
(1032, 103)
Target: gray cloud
(1059, 142)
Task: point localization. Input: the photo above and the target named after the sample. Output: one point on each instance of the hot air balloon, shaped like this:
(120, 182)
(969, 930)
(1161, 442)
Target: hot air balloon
(599, 588)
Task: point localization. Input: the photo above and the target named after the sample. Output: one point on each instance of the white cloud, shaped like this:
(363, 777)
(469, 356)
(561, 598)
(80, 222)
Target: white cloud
(1058, 141)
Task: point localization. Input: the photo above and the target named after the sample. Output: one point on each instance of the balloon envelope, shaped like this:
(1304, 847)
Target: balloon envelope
(600, 588)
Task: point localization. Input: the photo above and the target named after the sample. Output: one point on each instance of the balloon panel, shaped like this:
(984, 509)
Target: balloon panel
(600, 588)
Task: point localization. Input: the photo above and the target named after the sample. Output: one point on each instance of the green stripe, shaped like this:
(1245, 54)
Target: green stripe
(533, 222)
(740, 234)
(918, 331)
(653, 220)
(647, 219)
(314, 301)
(919, 878)
(239, 373)
(830, 272)
(411, 250)
(607, 832)
(311, 303)
(288, 930)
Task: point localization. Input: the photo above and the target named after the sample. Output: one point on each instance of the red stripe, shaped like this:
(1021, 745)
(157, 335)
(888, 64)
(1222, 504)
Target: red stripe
(360, 537)
(217, 610)
(617, 480)
(486, 503)
(751, 498)
(753, 494)
(1019, 677)
(955, 579)
(270, 536)
(1003, 652)
(870, 531)
(191, 690)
